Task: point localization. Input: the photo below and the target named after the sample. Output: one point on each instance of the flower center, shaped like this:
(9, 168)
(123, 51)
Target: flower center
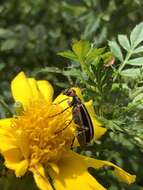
(44, 132)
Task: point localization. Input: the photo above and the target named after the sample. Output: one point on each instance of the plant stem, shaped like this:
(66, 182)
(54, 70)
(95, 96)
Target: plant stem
(86, 68)
(123, 64)
(8, 112)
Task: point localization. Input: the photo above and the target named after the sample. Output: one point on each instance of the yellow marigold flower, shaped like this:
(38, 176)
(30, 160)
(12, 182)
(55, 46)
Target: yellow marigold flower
(32, 141)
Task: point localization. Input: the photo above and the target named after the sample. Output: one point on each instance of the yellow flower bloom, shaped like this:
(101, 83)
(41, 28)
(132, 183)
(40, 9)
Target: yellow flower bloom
(35, 141)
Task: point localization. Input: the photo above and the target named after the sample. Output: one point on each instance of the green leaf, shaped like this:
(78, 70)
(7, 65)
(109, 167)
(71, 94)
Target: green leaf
(116, 50)
(73, 72)
(136, 92)
(94, 53)
(8, 44)
(136, 35)
(124, 42)
(5, 107)
(61, 84)
(136, 62)
(133, 73)
(68, 54)
(138, 50)
(91, 26)
(5, 33)
(138, 98)
(2, 65)
(81, 48)
(49, 70)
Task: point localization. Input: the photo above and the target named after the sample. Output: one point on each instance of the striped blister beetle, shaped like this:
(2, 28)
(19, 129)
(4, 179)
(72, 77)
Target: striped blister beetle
(81, 118)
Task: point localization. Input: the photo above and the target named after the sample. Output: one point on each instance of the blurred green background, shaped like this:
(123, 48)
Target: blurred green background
(31, 34)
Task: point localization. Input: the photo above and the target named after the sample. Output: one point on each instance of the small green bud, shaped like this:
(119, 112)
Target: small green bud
(18, 108)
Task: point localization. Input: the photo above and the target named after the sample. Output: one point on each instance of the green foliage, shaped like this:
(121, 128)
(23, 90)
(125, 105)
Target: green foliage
(113, 80)
(132, 50)
(115, 49)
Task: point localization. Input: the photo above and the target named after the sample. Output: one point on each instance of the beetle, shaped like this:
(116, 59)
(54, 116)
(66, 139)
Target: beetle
(81, 118)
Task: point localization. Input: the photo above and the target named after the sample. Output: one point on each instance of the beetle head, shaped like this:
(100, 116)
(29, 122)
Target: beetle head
(69, 92)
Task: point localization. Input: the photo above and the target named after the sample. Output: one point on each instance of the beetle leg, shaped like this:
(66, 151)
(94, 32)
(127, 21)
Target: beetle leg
(64, 127)
(61, 101)
(82, 128)
(72, 143)
(59, 112)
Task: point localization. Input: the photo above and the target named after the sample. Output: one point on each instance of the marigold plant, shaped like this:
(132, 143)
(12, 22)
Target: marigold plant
(33, 140)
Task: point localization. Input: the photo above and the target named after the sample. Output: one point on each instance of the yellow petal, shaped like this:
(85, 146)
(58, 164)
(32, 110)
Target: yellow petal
(37, 95)
(46, 89)
(54, 167)
(7, 138)
(98, 130)
(40, 178)
(12, 156)
(22, 142)
(9, 149)
(21, 89)
(5, 122)
(90, 162)
(80, 182)
(27, 90)
(6, 144)
(74, 175)
(20, 167)
(14, 161)
(120, 173)
(62, 100)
